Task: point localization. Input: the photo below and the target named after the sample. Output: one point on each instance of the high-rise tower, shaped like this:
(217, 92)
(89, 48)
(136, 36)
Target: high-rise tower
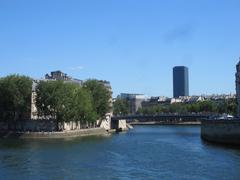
(180, 81)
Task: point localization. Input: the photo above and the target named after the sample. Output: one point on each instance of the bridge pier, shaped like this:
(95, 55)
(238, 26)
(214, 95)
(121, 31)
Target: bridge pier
(119, 125)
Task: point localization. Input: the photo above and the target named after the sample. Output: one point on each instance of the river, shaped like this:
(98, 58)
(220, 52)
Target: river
(146, 152)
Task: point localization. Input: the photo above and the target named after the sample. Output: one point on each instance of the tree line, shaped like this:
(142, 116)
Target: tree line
(204, 107)
(229, 106)
(57, 100)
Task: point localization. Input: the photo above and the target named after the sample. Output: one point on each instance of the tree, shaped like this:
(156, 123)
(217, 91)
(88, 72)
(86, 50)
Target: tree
(49, 98)
(121, 107)
(64, 102)
(192, 108)
(15, 97)
(232, 106)
(101, 97)
(80, 108)
(53, 98)
(222, 107)
(208, 107)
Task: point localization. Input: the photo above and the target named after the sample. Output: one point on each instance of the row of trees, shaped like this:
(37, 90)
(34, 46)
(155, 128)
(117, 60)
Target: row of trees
(62, 101)
(70, 102)
(212, 107)
(122, 107)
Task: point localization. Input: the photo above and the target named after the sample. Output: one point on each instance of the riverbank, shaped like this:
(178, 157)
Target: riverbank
(164, 123)
(55, 135)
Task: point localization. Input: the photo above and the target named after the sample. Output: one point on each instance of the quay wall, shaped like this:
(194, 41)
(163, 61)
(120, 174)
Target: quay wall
(44, 125)
(55, 135)
(48, 129)
(221, 131)
(29, 125)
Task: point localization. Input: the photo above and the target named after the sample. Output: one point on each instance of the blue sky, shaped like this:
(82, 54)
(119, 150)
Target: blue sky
(132, 43)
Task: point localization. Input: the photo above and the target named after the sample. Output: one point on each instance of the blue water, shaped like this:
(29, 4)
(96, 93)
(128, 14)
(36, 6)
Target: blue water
(146, 152)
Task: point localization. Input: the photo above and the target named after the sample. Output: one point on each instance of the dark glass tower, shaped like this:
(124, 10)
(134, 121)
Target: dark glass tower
(180, 81)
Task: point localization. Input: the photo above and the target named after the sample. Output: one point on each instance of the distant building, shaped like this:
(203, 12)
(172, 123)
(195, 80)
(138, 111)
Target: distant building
(195, 99)
(156, 101)
(107, 84)
(135, 101)
(57, 75)
(60, 76)
(219, 97)
(238, 87)
(180, 81)
(176, 100)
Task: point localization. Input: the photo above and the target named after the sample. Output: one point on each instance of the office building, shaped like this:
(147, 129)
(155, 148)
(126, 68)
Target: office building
(135, 101)
(180, 81)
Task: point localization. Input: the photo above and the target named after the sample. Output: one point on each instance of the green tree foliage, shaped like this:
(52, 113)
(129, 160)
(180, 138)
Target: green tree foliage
(228, 106)
(205, 107)
(64, 102)
(70, 102)
(100, 97)
(52, 98)
(177, 108)
(15, 97)
(121, 107)
(81, 107)
(208, 106)
(153, 110)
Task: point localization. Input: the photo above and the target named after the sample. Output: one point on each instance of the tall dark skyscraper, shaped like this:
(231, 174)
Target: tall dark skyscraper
(180, 81)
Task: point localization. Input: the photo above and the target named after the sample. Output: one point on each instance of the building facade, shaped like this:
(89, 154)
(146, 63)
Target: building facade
(238, 87)
(60, 76)
(180, 81)
(135, 101)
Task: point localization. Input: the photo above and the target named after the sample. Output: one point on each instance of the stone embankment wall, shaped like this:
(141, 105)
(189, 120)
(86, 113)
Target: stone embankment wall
(221, 131)
(55, 135)
(44, 125)
(52, 129)
(30, 125)
(48, 129)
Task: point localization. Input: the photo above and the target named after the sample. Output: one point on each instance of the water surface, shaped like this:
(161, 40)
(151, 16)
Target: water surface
(146, 152)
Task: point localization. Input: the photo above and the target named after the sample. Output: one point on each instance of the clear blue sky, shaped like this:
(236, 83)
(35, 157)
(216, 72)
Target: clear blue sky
(132, 43)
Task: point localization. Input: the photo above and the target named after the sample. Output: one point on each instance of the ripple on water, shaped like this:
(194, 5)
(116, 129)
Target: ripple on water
(146, 152)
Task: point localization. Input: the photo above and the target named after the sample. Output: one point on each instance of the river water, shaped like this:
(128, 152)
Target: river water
(146, 152)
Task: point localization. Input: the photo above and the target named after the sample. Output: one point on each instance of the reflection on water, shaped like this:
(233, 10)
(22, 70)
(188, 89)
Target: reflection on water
(146, 152)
